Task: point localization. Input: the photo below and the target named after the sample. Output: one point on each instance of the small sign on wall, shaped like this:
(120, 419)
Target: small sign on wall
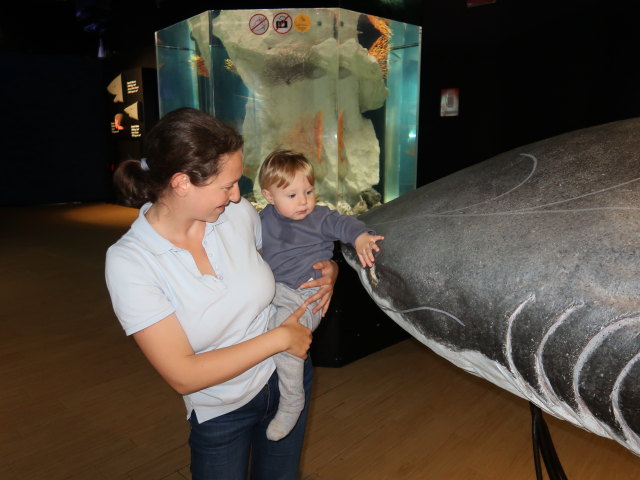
(449, 102)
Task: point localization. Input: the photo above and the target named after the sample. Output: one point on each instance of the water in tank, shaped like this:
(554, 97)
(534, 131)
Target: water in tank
(339, 86)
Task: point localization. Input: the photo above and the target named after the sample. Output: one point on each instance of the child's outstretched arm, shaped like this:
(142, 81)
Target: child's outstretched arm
(365, 244)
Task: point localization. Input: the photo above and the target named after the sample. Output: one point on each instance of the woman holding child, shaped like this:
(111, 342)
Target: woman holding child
(187, 282)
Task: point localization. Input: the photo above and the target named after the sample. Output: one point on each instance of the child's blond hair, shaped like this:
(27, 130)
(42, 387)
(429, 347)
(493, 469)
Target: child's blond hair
(280, 168)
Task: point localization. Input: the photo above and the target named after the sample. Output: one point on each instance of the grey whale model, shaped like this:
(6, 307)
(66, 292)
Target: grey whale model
(525, 270)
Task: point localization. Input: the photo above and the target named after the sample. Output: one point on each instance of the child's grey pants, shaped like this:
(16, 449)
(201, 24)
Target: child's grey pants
(290, 368)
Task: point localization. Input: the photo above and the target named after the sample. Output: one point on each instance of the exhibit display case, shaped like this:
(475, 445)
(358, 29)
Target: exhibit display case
(342, 87)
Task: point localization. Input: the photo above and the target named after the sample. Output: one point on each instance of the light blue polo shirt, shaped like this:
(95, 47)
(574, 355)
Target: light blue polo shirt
(149, 278)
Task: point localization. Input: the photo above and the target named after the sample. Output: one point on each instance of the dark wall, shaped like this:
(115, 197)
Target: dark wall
(527, 70)
(52, 130)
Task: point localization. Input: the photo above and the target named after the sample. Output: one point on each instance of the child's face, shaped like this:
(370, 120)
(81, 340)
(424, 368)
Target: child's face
(295, 201)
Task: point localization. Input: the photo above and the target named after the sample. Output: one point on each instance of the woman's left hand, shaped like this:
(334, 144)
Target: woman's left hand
(326, 282)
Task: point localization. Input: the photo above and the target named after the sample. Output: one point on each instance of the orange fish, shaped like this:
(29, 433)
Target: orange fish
(228, 64)
(197, 62)
(341, 153)
(317, 131)
(380, 48)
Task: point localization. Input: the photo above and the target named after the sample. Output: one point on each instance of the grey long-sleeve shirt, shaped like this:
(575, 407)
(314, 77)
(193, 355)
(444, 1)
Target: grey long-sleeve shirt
(291, 247)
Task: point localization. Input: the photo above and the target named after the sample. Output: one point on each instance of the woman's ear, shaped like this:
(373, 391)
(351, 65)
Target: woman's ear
(180, 183)
(267, 194)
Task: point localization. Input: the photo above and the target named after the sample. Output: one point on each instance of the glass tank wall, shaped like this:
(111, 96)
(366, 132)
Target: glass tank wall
(339, 86)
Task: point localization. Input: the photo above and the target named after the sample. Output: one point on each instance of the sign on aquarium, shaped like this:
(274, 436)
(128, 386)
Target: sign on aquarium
(258, 24)
(282, 23)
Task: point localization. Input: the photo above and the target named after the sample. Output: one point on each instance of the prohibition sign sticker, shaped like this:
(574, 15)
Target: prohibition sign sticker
(258, 24)
(282, 22)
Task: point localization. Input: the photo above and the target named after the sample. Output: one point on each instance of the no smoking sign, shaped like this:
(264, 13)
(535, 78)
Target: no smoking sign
(258, 24)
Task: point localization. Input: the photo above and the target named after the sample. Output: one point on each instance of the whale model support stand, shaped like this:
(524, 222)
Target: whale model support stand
(543, 445)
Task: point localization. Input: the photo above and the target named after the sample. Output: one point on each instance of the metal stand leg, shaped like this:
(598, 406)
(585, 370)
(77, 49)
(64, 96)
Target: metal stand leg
(542, 444)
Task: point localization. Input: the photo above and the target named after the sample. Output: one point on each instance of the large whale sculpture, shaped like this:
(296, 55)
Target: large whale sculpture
(525, 270)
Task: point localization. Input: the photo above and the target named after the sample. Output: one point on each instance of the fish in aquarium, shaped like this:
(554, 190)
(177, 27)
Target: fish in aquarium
(199, 65)
(309, 92)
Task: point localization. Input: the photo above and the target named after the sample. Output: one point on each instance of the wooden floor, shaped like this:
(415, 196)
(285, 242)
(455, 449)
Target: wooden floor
(79, 401)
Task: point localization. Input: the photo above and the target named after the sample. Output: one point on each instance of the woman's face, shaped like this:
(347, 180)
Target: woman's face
(211, 198)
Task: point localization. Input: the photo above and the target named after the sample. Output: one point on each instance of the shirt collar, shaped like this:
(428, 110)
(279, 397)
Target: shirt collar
(276, 213)
(155, 242)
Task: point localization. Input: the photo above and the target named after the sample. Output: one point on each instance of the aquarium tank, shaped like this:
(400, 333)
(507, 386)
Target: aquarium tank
(339, 86)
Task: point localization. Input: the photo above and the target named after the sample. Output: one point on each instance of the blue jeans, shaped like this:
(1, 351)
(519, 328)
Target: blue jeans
(235, 444)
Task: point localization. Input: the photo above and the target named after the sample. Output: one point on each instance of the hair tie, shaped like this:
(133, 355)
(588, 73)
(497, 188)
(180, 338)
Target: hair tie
(144, 165)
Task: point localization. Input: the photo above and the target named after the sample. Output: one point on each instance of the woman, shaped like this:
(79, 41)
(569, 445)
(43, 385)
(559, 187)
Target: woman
(187, 282)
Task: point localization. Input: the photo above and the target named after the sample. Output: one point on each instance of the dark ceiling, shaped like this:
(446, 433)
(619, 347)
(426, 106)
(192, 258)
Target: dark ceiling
(79, 27)
(76, 27)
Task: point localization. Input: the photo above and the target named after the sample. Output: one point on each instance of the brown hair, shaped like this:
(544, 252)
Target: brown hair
(280, 168)
(185, 140)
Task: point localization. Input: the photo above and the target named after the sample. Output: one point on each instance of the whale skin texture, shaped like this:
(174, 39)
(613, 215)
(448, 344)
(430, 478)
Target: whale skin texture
(524, 270)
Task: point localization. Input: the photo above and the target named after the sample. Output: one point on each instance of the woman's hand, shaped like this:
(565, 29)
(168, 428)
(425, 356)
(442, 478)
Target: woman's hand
(167, 348)
(326, 282)
(299, 336)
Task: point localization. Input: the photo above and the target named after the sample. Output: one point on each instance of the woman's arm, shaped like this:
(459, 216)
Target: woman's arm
(326, 282)
(166, 347)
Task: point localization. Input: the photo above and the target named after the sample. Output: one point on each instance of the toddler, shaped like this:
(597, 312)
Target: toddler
(296, 234)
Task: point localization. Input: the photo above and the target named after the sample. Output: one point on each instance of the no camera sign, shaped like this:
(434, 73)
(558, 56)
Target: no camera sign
(282, 22)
